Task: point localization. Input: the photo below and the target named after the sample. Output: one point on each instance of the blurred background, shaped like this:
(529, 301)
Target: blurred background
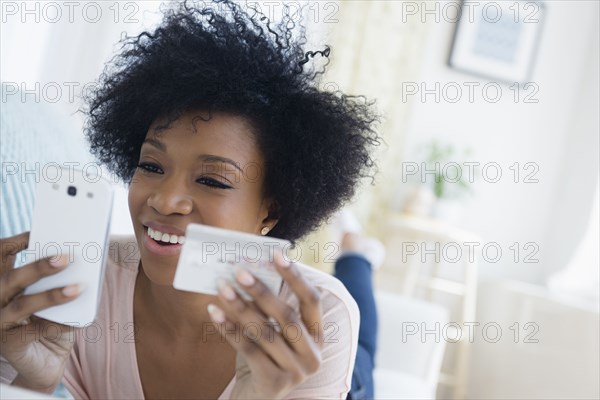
(486, 198)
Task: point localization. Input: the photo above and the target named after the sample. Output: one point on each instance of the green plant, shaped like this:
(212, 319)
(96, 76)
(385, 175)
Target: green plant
(450, 181)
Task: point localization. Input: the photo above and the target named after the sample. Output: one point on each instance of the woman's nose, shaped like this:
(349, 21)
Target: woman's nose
(171, 197)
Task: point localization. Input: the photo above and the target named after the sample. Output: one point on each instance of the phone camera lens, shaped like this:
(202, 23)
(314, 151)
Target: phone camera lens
(72, 190)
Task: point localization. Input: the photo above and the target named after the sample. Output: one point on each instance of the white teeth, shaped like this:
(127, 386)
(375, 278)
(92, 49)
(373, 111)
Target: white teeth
(165, 237)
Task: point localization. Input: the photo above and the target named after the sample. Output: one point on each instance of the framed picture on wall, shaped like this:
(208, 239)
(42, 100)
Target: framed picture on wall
(497, 39)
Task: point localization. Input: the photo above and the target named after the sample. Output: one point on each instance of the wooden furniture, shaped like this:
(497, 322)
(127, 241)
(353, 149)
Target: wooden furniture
(437, 262)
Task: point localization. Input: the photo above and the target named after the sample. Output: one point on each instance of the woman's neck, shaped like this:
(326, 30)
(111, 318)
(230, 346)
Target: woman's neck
(175, 313)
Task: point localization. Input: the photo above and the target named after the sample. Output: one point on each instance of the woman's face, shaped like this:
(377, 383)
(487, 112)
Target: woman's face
(195, 171)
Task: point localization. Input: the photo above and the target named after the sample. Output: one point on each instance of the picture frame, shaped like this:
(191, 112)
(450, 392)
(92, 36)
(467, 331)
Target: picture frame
(497, 40)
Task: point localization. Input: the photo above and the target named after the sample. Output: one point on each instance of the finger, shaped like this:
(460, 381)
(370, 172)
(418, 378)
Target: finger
(294, 331)
(309, 297)
(10, 247)
(15, 281)
(254, 356)
(23, 307)
(256, 327)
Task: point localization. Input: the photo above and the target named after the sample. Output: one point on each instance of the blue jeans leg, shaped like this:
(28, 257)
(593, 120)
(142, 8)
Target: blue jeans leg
(354, 271)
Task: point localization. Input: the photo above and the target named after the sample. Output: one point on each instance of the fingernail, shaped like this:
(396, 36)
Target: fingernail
(216, 313)
(226, 290)
(59, 261)
(244, 277)
(71, 290)
(282, 261)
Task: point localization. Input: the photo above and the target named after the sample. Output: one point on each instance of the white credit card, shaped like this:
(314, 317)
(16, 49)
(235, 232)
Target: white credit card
(210, 254)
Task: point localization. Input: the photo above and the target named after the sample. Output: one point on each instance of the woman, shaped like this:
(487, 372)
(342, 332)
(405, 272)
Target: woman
(213, 118)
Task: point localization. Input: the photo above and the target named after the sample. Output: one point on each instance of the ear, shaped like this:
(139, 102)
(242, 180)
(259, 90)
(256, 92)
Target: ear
(269, 214)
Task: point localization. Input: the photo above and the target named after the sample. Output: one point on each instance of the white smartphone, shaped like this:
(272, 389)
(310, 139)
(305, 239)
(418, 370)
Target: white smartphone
(210, 254)
(71, 216)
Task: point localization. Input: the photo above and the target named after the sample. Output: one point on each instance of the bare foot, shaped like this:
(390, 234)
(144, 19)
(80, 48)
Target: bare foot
(350, 241)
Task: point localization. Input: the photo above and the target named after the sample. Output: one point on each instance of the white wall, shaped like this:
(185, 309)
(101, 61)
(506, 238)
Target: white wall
(559, 133)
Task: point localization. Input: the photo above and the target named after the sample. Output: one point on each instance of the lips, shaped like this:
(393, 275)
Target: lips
(165, 228)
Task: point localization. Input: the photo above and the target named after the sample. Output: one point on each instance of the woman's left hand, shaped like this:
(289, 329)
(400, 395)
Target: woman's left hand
(270, 362)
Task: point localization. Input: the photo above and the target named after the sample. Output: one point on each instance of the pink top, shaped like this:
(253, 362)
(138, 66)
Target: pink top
(103, 362)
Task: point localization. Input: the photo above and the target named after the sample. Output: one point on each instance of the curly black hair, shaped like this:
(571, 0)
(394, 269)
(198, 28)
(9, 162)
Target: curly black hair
(316, 143)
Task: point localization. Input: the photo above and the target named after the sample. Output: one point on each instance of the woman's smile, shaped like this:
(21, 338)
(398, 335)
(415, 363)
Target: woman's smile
(161, 247)
(165, 238)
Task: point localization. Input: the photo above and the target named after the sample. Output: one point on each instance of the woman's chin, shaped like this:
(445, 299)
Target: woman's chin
(159, 273)
(160, 270)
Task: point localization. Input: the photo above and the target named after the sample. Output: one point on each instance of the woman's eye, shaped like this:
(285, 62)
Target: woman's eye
(210, 182)
(150, 168)
(213, 183)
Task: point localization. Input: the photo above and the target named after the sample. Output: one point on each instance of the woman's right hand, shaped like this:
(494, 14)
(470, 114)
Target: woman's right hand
(36, 348)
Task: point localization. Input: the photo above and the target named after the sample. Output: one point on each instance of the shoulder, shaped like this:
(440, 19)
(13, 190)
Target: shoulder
(123, 252)
(122, 264)
(340, 319)
(337, 304)
(334, 295)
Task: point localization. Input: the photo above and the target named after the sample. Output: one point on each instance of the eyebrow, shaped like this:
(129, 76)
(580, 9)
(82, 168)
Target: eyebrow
(204, 157)
(156, 143)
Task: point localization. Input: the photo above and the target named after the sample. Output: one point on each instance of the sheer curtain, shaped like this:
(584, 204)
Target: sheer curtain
(374, 51)
(580, 280)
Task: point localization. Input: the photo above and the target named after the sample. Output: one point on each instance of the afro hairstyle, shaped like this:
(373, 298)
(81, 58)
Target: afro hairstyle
(216, 56)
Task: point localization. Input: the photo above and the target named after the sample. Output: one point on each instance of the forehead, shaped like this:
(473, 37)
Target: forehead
(221, 134)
